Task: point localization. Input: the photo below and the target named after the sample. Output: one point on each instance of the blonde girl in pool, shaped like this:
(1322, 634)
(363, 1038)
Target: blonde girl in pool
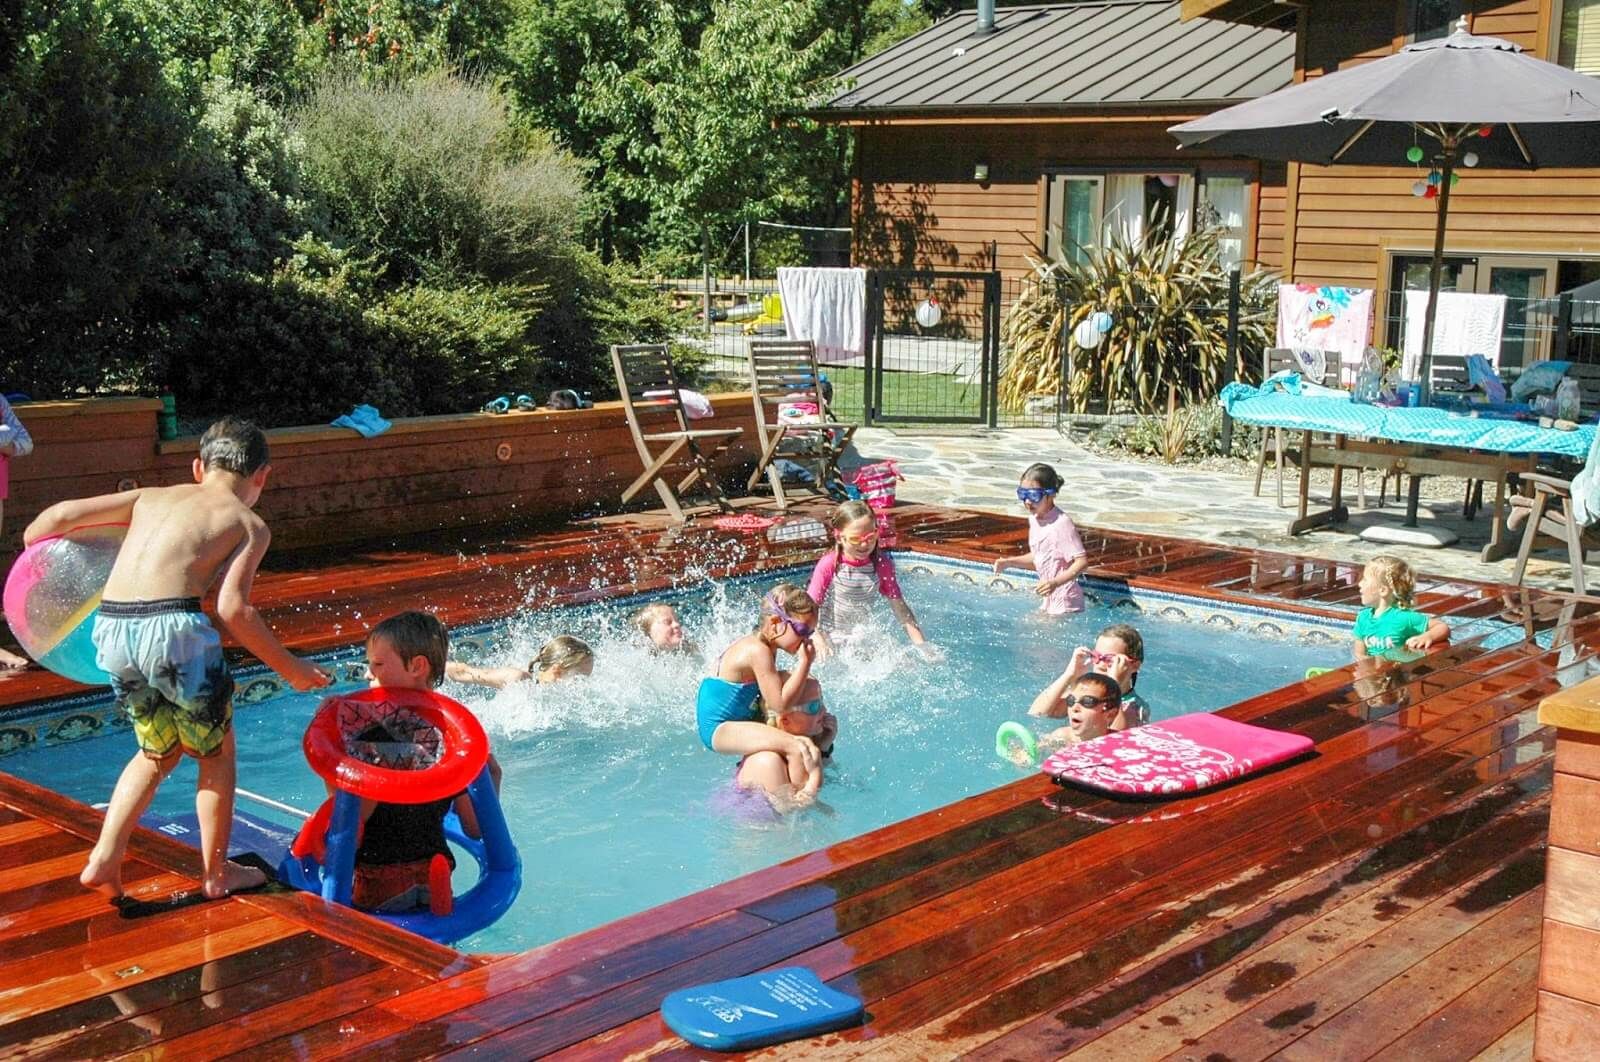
(561, 657)
(850, 578)
(1054, 549)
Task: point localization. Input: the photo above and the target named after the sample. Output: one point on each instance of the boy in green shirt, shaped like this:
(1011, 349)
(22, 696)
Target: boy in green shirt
(1388, 624)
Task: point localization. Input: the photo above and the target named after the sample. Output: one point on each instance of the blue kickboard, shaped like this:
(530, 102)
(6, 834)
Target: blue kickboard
(250, 834)
(764, 1008)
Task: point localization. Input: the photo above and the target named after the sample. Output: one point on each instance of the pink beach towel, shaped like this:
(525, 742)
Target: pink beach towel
(1182, 755)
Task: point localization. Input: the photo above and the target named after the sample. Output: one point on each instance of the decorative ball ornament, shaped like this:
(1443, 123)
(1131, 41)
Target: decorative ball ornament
(1455, 179)
(1419, 189)
(1414, 153)
(929, 313)
(1485, 130)
(1432, 192)
(1086, 335)
(1470, 159)
(1101, 321)
(1433, 177)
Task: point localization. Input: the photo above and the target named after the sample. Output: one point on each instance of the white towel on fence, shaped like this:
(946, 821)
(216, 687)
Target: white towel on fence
(826, 306)
(1464, 324)
(1334, 320)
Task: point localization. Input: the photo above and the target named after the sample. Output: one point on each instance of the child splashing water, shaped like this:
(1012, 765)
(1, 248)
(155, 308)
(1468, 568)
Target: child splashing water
(1054, 549)
(561, 657)
(850, 578)
(787, 767)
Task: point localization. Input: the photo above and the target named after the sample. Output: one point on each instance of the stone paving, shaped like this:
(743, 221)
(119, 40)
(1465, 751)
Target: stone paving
(978, 468)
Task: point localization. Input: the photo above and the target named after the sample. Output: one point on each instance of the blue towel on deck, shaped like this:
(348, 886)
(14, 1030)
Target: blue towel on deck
(363, 419)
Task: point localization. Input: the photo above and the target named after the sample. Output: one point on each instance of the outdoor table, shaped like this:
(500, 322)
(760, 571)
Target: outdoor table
(1404, 440)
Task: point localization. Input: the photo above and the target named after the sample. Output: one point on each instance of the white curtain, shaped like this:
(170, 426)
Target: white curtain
(1183, 213)
(1124, 209)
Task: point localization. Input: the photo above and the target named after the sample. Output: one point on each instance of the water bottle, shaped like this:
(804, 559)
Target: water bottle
(167, 419)
(1569, 400)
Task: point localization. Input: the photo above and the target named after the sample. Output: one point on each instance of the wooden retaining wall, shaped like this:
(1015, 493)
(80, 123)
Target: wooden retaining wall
(329, 485)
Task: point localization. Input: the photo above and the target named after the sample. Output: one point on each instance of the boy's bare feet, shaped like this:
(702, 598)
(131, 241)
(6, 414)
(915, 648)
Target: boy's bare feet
(102, 875)
(234, 878)
(10, 661)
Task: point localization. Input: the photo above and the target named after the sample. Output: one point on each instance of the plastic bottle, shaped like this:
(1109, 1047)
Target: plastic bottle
(167, 419)
(1569, 400)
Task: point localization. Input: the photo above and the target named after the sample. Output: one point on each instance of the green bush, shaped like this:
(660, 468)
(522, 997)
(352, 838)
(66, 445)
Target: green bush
(1168, 301)
(1193, 431)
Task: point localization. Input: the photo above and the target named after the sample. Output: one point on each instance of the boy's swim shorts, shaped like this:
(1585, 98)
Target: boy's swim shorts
(168, 673)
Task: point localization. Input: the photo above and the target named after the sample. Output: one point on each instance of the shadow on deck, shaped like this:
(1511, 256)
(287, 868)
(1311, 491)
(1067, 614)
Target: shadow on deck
(1382, 896)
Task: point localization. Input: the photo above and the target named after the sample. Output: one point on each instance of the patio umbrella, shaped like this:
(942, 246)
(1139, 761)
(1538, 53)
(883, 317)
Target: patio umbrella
(1462, 100)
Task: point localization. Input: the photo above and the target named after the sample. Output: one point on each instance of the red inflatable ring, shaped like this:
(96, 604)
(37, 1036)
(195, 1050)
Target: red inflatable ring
(446, 744)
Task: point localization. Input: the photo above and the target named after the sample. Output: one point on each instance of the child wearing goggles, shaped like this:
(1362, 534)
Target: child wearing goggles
(1054, 549)
(1094, 701)
(809, 718)
(787, 767)
(851, 578)
(1118, 653)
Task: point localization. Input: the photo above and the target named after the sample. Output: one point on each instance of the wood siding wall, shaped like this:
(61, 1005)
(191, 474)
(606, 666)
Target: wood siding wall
(1348, 219)
(917, 205)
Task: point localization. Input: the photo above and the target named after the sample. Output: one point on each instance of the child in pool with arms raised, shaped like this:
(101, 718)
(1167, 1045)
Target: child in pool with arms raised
(162, 654)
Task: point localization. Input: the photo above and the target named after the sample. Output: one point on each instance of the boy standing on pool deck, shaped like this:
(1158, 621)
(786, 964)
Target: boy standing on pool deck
(162, 654)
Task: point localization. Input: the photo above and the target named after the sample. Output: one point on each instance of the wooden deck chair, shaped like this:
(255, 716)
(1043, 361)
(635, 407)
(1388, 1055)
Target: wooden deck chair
(1275, 360)
(784, 379)
(661, 432)
(1549, 513)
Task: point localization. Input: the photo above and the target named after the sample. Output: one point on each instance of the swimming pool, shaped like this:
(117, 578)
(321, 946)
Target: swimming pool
(617, 808)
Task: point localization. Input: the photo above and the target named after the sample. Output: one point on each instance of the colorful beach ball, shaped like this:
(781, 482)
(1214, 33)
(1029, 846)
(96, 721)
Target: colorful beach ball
(52, 595)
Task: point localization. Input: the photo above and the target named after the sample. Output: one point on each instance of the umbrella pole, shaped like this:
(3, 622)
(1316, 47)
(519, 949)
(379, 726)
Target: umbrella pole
(1425, 365)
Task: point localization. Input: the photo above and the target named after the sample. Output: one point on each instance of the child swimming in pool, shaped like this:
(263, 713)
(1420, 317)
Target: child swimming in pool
(1055, 550)
(1094, 702)
(1118, 652)
(1388, 626)
(561, 657)
(658, 622)
(808, 717)
(850, 579)
(163, 655)
(786, 766)
(404, 862)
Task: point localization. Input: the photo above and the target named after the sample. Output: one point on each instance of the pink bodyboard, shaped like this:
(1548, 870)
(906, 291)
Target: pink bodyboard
(1182, 755)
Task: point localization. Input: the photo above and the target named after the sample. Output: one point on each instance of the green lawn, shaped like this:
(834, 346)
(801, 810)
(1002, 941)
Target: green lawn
(907, 394)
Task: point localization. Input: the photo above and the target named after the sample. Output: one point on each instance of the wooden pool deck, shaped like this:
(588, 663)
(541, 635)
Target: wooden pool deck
(1380, 897)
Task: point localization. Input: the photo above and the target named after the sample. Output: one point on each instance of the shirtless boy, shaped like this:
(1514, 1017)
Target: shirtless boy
(162, 654)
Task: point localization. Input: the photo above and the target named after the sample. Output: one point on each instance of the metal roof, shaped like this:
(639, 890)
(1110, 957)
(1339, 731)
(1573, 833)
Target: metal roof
(1073, 57)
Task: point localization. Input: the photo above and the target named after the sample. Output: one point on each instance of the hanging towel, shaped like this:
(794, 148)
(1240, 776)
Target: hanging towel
(1330, 319)
(1464, 324)
(826, 306)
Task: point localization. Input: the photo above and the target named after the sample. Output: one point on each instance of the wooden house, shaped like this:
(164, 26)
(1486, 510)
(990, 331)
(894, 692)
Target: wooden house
(1528, 235)
(994, 135)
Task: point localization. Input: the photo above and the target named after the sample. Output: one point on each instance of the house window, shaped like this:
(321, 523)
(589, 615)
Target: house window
(1578, 36)
(1221, 208)
(1428, 19)
(1085, 209)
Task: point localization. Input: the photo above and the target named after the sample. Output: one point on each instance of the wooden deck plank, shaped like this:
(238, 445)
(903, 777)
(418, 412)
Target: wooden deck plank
(1479, 1019)
(1514, 1046)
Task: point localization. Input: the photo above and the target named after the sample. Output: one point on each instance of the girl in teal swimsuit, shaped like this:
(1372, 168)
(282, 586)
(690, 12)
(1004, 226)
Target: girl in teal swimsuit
(786, 766)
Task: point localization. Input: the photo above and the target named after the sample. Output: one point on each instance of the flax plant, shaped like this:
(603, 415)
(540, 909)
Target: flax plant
(1168, 300)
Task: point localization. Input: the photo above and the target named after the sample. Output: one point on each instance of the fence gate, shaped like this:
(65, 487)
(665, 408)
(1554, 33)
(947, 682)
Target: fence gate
(933, 347)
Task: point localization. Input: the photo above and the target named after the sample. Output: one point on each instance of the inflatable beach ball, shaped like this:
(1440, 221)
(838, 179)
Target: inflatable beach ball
(52, 595)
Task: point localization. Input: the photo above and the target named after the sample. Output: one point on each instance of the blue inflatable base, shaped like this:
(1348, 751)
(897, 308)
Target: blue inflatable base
(757, 1010)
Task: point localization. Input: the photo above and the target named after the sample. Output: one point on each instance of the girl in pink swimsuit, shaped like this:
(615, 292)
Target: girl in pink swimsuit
(849, 580)
(1054, 549)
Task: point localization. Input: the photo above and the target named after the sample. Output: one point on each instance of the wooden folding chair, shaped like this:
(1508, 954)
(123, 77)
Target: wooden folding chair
(654, 408)
(1274, 360)
(1549, 513)
(784, 378)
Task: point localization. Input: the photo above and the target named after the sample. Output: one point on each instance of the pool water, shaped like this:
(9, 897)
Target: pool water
(615, 805)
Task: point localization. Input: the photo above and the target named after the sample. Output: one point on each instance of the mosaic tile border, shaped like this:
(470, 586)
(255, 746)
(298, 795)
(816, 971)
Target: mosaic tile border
(92, 714)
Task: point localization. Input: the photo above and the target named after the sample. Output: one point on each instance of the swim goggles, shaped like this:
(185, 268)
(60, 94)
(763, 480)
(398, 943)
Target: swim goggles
(859, 540)
(1091, 703)
(801, 630)
(1034, 495)
(808, 708)
(1097, 658)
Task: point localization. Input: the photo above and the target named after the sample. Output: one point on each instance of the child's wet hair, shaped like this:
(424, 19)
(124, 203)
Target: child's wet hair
(1110, 692)
(1396, 581)
(1042, 474)
(413, 634)
(1132, 641)
(646, 617)
(791, 598)
(847, 513)
(563, 653)
(235, 445)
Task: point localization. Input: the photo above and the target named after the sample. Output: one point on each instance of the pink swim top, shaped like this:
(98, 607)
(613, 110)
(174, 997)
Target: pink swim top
(846, 590)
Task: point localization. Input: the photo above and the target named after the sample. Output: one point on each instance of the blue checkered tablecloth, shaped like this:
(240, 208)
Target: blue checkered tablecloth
(1428, 427)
